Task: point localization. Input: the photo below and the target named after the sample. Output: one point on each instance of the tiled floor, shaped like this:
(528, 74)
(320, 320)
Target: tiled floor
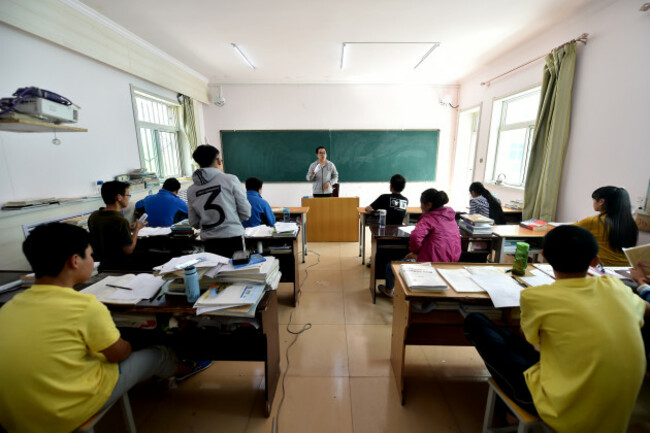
(339, 378)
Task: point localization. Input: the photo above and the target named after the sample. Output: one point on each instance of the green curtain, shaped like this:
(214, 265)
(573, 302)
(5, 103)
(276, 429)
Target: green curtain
(189, 124)
(551, 135)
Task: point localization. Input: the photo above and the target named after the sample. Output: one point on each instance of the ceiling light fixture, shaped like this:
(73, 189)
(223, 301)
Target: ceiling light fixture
(343, 53)
(433, 47)
(243, 56)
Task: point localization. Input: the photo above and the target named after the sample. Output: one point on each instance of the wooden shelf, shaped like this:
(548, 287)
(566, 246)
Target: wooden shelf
(33, 125)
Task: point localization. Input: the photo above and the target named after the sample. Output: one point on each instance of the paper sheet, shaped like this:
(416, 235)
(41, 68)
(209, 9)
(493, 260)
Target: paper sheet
(154, 231)
(407, 229)
(503, 290)
(460, 280)
(209, 261)
(539, 278)
(144, 286)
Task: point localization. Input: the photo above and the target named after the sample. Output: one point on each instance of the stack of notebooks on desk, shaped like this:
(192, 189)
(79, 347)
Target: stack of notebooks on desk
(422, 278)
(476, 224)
(182, 229)
(533, 224)
(230, 300)
(260, 270)
(285, 229)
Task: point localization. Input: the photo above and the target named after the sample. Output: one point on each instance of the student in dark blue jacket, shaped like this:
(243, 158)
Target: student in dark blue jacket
(165, 208)
(261, 212)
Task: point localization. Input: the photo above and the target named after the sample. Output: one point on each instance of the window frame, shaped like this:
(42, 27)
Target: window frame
(498, 126)
(137, 92)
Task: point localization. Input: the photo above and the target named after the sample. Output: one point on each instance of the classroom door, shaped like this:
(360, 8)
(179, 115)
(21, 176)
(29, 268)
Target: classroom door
(465, 154)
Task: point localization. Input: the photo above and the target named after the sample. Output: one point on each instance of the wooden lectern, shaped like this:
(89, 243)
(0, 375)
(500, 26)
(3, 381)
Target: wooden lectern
(332, 219)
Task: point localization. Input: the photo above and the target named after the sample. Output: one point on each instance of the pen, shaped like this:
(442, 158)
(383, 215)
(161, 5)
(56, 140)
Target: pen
(519, 282)
(118, 287)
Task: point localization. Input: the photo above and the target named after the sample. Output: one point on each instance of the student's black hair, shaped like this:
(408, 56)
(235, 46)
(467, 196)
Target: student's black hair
(435, 197)
(570, 248)
(111, 189)
(617, 217)
(48, 247)
(205, 155)
(172, 184)
(254, 184)
(496, 212)
(319, 148)
(398, 182)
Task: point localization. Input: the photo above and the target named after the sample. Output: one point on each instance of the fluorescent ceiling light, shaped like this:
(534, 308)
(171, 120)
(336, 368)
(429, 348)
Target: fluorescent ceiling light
(243, 56)
(434, 45)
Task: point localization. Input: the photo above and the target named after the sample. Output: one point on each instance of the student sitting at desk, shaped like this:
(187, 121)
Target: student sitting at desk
(61, 357)
(614, 227)
(394, 203)
(582, 362)
(165, 208)
(217, 203)
(261, 212)
(435, 238)
(110, 232)
(484, 203)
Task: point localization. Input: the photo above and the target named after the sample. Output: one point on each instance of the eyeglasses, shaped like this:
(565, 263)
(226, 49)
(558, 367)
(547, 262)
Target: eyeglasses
(322, 153)
(127, 195)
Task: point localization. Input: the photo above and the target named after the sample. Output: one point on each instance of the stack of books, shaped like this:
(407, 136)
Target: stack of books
(182, 229)
(285, 229)
(230, 300)
(515, 204)
(422, 278)
(476, 224)
(533, 224)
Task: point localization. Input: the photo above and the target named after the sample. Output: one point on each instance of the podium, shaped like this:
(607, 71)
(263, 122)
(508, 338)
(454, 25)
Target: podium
(332, 219)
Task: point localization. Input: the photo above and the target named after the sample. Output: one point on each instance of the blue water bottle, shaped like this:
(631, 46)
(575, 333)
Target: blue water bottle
(286, 215)
(191, 284)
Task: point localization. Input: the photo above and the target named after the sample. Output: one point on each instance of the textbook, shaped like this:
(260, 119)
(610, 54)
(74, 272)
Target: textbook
(422, 278)
(640, 253)
(225, 297)
(125, 289)
(476, 230)
(477, 220)
(533, 224)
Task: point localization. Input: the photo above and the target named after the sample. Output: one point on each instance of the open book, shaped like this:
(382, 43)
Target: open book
(422, 277)
(640, 253)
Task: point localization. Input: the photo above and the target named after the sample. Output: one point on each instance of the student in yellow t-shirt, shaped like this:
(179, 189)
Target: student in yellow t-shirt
(61, 357)
(614, 227)
(582, 362)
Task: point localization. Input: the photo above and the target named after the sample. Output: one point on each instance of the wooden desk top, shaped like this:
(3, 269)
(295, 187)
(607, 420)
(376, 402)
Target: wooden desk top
(303, 209)
(394, 232)
(511, 210)
(450, 294)
(515, 230)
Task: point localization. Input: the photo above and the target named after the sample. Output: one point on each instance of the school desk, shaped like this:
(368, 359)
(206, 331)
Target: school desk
(366, 218)
(299, 215)
(392, 244)
(443, 325)
(509, 234)
(285, 249)
(219, 342)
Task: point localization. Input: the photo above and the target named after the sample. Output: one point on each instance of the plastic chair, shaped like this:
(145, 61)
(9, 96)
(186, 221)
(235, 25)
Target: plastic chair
(527, 421)
(89, 426)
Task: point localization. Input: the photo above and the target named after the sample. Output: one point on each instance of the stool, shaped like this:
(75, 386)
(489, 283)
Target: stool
(89, 426)
(527, 421)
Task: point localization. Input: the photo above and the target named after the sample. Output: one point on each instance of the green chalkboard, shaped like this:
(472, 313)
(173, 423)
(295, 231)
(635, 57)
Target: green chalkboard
(359, 155)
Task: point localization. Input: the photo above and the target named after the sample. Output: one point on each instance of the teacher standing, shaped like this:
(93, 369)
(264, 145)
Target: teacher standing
(322, 174)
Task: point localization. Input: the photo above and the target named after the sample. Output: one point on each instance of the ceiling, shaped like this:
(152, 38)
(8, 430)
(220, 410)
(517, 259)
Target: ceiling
(300, 41)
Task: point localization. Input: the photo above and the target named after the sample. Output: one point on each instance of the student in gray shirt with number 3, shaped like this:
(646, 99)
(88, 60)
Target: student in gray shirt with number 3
(217, 203)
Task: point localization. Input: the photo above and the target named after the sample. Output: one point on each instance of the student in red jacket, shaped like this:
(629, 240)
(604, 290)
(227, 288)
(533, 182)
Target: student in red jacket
(435, 238)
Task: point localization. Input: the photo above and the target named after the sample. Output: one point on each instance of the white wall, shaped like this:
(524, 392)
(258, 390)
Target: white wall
(269, 107)
(30, 165)
(610, 139)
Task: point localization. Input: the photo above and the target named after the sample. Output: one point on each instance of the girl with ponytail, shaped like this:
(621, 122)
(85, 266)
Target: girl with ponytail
(484, 203)
(435, 238)
(614, 227)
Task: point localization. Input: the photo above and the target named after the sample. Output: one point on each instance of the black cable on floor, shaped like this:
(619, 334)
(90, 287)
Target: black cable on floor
(275, 426)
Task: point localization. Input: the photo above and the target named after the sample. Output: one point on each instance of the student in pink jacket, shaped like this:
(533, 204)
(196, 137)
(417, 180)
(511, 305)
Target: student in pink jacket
(435, 238)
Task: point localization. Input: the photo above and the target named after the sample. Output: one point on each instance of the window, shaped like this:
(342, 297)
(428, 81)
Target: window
(157, 125)
(511, 136)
